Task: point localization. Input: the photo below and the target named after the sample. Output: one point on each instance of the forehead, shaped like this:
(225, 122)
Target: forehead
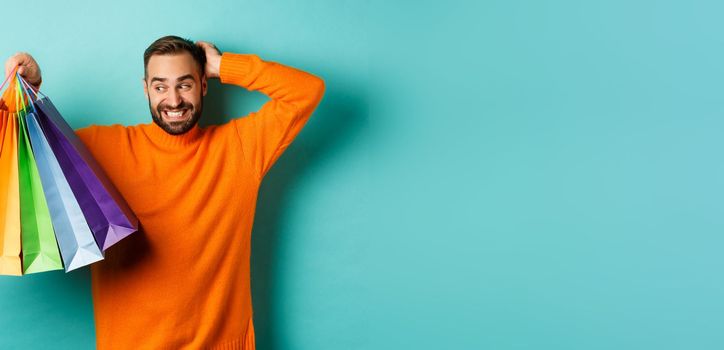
(171, 66)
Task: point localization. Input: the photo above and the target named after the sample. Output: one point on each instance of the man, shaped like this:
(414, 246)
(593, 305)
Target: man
(182, 281)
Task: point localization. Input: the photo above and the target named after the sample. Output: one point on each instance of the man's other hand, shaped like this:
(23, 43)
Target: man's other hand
(213, 59)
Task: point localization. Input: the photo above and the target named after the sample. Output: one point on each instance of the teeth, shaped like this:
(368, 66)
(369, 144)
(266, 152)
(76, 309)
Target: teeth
(174, 114)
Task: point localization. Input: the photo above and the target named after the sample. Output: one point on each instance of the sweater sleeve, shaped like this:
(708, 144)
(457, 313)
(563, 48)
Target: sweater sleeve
(295, 94)
(105, 143)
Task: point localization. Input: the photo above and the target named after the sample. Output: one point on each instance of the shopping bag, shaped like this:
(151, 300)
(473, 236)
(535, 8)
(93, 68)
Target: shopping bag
(107, 213)
(39, 245)
(77, 245)
(57, 207)
(10, 262)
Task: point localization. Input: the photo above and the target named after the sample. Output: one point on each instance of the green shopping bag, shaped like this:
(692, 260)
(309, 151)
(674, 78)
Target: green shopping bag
(39, 246)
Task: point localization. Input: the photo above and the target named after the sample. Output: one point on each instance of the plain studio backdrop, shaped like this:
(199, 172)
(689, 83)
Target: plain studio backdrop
(507, 175)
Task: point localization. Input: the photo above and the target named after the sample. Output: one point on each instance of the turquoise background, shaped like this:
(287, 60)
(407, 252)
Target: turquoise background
(507, 175)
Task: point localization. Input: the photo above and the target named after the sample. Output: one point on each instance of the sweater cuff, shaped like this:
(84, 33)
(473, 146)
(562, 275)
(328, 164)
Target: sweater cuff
(236, 68)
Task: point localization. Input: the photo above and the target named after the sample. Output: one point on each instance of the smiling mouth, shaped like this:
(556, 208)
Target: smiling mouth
(175, 116)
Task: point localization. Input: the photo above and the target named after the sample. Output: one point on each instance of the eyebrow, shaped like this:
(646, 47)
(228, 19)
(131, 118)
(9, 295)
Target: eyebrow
(181, 78)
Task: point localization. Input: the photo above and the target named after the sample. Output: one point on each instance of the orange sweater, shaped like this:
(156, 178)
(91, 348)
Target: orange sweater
(182, 281)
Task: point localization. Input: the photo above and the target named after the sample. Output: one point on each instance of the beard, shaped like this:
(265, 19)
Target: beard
(179, 127)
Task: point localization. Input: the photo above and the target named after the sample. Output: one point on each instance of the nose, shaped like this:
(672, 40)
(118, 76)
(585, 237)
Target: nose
(174, 98)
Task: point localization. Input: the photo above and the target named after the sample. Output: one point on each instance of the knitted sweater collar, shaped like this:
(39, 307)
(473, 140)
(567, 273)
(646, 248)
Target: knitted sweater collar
(161, 137)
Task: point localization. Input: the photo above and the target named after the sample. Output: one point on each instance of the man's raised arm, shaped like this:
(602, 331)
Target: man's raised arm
(294, 94)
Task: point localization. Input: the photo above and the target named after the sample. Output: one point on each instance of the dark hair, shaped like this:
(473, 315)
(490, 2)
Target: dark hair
(171, 44)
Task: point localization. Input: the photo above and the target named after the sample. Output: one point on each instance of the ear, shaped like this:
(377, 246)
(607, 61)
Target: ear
(204, 84)
(145, 87)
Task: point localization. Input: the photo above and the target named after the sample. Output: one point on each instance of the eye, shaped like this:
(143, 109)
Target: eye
(160, 88)
(185, 86)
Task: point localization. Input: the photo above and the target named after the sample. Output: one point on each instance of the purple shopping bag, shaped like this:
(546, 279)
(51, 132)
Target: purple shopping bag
(107, 213)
